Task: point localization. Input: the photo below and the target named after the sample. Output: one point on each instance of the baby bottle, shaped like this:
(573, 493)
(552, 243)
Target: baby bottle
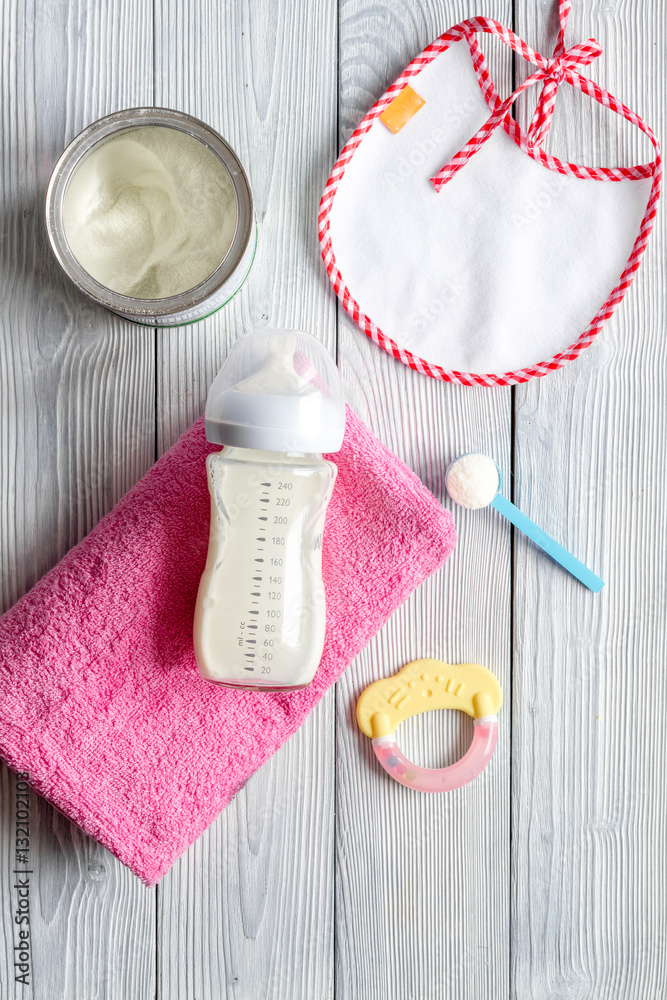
(276, 405)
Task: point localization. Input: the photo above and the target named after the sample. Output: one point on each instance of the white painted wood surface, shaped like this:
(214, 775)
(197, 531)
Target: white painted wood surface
(589, 877)
(546, 877)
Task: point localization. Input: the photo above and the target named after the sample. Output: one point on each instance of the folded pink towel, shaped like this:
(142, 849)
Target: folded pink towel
(100, 698)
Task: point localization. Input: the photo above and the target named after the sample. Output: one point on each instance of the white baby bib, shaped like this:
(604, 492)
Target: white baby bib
(504, 263)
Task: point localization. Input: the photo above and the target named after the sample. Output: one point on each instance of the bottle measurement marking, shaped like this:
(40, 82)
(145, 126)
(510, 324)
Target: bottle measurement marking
(258, 612)
(256, 594)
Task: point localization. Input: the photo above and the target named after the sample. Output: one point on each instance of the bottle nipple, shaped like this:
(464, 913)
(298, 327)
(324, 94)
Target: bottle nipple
(278, 375)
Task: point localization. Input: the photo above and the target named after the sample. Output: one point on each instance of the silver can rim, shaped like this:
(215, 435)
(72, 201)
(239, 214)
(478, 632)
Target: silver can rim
(71, 158)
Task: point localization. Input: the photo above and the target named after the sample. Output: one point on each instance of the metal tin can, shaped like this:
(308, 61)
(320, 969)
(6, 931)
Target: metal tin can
(194, 303)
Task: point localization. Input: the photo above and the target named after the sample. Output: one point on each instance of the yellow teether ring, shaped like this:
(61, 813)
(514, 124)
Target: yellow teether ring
(423, 686)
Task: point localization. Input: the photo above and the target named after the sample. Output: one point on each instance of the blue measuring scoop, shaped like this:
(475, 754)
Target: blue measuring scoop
(528, 527)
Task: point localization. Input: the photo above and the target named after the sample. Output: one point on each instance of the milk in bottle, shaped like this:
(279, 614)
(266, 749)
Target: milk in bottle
(275, 406)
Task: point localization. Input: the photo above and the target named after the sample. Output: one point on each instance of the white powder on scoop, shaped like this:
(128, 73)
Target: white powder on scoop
(473, 481)
(150, 212)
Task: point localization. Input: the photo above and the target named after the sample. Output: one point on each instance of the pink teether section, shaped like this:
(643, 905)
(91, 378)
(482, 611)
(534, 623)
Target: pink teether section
(439, 779)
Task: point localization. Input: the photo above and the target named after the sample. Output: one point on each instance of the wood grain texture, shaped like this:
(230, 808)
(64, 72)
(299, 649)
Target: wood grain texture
(422, 885)
(76, 430)
(248, 912)
(547, 876)
(589, 888)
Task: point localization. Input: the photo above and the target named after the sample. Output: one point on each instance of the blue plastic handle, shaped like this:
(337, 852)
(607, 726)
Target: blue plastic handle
(546, 542)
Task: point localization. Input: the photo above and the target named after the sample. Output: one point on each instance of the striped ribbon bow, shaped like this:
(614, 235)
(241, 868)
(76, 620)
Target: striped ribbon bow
(551, 72)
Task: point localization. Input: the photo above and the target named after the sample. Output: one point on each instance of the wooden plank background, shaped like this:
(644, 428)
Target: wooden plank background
(546, 877)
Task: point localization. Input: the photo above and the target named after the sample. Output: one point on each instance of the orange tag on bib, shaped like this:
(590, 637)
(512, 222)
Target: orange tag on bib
(404, 107)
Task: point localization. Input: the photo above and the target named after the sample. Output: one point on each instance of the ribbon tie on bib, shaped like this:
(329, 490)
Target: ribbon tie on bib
(555, 71)
(551, 72)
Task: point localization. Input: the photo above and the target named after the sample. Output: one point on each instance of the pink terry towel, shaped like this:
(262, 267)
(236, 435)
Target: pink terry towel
(100, 698)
